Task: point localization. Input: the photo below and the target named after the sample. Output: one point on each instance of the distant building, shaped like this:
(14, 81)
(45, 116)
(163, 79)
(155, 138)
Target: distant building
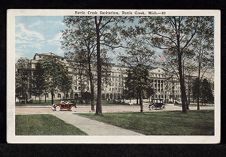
(165, 85)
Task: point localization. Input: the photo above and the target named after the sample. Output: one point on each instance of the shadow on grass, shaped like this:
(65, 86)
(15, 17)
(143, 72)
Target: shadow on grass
(161, 123)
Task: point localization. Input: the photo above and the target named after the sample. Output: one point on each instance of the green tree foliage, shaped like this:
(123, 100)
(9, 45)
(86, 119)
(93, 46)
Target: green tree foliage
(205, 93)
(138, 57)
(65, 82)
(149, 92)
(195, 85)
(138, 84)
(86, 96)
(22, 78)
(38, 81)
(55, 74)
(130, 90)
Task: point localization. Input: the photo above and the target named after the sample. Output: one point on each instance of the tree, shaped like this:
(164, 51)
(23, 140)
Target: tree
(55, 74)
(174, 35)
(79, 65)
(206, 92)
(107, 36)
(149, 92)
(138, 57)
(38, 81)
(65, 82)
(190, 68)
(130, 91)
(203, 46)
(86, 96)
(23, 76)
(142, 82)
(195, 91)
(79, 44)
(95, 33)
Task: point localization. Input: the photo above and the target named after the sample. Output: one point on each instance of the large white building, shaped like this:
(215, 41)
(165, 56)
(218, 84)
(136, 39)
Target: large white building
(165, 85)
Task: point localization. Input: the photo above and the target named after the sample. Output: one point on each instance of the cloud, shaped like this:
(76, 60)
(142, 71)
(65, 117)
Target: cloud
(38, 36)
(56, 39)
(25, 35)
(35, 24)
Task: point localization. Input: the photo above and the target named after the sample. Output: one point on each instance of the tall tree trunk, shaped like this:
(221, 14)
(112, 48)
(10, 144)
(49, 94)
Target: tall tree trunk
(98, 105)
(91, 87)
(52, 101)
(39, 99)
(141, 100)
(182, 85)
(198, 94)
(186, 101)
(189, 92)
(180, 70)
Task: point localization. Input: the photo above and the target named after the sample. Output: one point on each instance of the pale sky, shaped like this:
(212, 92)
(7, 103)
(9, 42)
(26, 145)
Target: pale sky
(42, 34)
(38, 34)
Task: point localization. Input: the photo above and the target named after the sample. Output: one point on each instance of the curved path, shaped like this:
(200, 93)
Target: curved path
(93, 127)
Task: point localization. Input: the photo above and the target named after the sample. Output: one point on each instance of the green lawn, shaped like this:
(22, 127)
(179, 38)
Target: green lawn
(44, 124)
(162, 123)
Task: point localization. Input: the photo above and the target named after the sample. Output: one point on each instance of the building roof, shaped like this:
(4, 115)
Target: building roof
(47, 54)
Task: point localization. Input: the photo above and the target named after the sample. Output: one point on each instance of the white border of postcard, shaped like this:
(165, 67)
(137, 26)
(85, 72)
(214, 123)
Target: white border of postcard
(12, 138)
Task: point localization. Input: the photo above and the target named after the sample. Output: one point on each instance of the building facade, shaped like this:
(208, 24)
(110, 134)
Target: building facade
(165, 85)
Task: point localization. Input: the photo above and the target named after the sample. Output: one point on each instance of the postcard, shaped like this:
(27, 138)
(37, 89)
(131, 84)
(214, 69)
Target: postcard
(113, 76)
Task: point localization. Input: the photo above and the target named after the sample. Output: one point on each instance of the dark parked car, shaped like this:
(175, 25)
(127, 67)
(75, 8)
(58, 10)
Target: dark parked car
(157, 104)
(64, 105)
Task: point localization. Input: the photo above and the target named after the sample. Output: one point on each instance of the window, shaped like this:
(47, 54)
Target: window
(59, 95)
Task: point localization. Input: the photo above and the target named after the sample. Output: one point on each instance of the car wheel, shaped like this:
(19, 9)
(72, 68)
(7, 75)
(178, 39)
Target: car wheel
(73, 108)
(58, 108)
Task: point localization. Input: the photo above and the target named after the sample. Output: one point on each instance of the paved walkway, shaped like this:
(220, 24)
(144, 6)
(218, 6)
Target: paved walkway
(93, 127)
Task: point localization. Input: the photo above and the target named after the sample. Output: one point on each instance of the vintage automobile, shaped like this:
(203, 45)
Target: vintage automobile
(156, 104)
(64, 105)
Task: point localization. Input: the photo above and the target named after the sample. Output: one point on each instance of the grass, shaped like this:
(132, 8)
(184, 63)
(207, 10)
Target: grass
(162, 123)
(44, 124)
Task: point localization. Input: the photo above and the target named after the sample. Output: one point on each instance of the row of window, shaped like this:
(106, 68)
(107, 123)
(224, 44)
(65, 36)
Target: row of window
(157, 75)
(54, 95)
